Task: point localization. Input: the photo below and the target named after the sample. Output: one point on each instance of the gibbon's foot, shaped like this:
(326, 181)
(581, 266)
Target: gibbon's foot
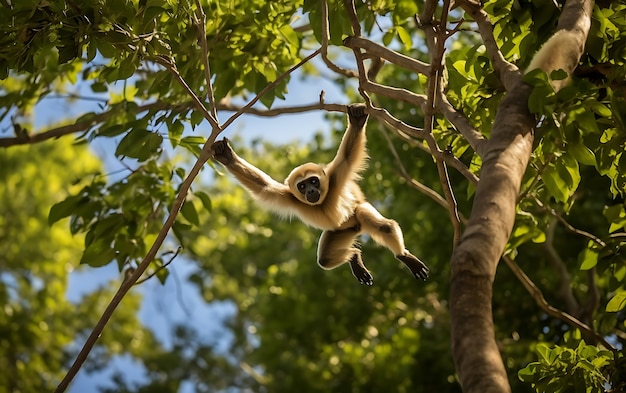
(357, 115)
(360, 271)
(222, 151)
(417, 267)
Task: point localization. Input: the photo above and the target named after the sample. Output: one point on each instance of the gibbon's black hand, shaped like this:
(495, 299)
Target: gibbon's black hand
(222, 152)
(357, 115)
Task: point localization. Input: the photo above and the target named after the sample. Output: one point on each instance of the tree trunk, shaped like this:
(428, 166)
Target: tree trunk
(477, 359)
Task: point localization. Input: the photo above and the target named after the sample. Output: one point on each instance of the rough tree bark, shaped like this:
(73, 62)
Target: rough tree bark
(477, 359)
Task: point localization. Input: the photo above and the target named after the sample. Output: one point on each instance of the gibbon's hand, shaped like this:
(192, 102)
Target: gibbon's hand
(357, 115)
(222, 152)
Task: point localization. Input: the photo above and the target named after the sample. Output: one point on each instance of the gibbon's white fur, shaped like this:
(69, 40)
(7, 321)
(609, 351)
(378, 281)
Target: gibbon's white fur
(557, 53)
(328, 197)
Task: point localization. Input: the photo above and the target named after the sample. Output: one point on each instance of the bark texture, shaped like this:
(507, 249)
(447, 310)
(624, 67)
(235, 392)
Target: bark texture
(477, 359)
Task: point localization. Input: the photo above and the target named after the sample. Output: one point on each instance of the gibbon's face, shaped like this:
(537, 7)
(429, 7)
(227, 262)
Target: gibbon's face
(308, 183)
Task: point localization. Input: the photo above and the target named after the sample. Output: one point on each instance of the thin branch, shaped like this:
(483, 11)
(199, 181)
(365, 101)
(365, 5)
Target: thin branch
(436, 36)
(395, 93)
(565, 289)
(432, 194)
(569, 226)
(535, 292)
(475, 139)
(283, 110)
(268, 88)
(201, 29)
(325, 36)
(127, 284)
(358, 56)
(72, 128)
(485, 29)
(164, 266)
(171, 66)
(377, 50)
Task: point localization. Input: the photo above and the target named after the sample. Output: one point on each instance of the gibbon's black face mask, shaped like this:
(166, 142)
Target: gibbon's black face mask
(310, 189)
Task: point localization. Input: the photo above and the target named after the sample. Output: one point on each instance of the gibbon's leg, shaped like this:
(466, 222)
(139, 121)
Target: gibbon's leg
(337, 247)
(387, 232)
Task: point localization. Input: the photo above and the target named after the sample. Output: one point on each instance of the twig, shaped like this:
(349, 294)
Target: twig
(127, 284)
(201, 29)
(565, 289)
(72, 128)
(154, 273)
(268, 88)
(535, 292)
(436, 36)
(485, 29)
(432, 194)
(374, 49)
(325, 36)
(168, 64)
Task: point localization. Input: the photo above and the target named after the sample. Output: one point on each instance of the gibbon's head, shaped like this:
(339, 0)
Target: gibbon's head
(308, 183)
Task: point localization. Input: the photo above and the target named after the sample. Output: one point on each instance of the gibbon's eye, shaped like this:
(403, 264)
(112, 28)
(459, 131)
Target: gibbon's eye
(301, 187)
(314, 181)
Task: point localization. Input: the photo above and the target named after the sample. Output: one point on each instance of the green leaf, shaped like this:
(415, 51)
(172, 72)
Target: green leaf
(617, 303)
(175, 131)
(162, 275)
(405, 9)
(189, 212)
(555, 184)
(587, 122)
(587, 259)
(98, 253)
(63, 209)
(205, 199)
(582, 153)
(193, 144)
(404, 37)
(140, 144)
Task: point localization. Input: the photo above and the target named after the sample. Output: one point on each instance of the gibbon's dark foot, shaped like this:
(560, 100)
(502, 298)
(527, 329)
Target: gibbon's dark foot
(360, 271)
(417, 267)
(222, 151)
(357, 115)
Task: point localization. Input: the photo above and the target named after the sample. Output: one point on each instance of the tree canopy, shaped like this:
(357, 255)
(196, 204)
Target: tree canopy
(478, 161)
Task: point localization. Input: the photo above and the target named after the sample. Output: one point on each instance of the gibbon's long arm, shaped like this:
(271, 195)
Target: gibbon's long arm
(262, 186)
(351, 156)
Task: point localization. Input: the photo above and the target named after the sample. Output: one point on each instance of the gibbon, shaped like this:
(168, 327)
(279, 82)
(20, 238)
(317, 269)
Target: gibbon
(328, 197)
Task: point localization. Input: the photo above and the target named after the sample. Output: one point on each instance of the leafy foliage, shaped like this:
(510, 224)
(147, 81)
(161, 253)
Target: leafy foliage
(563, 369)
(296, 326)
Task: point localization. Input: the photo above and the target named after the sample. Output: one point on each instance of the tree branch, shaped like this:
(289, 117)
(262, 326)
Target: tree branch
(201, 29)
(325, 35)
(171, 66)
(565, 289)
(81, 126)
(127, 284)
(268, 88)
(504, 68)
(535, 292)
(436, 35)
(374, 49)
